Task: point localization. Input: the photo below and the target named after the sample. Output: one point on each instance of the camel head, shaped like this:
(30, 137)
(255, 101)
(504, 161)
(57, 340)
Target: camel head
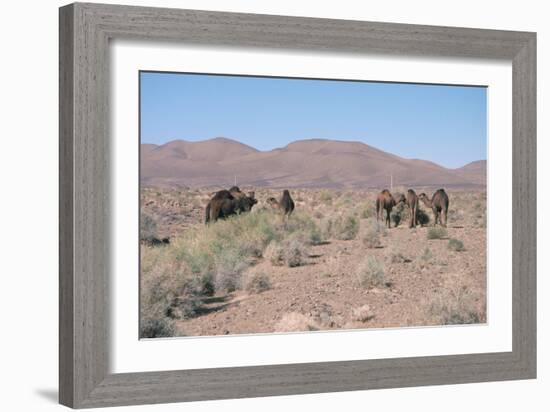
(246, 203)
(424, 199)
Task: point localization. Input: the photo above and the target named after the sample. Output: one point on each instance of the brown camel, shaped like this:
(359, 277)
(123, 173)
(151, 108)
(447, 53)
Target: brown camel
(285, 204)
(225, 203)
(439, 205)
(412, 202)
(385, 201)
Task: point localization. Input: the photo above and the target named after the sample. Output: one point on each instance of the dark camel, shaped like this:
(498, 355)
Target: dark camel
(439, 205)
(228, 202)
(412, 201)
(385, 201)
(285, 204)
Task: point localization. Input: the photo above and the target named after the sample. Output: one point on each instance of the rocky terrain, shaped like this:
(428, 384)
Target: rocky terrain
(330, 266)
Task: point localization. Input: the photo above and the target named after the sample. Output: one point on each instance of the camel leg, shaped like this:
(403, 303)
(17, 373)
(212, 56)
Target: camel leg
(435, 217)
(444, 212)
(388, 221)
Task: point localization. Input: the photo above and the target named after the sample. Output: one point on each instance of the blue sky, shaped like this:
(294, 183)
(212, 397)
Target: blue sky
(444, 124)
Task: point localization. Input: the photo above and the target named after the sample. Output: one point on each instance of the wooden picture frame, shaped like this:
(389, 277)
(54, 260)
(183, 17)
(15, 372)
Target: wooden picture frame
(85, 31)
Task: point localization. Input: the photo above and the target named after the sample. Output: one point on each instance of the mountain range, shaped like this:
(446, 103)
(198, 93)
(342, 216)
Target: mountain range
(312, 163)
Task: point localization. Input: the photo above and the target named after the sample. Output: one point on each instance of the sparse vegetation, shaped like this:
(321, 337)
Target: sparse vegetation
(345, 227)
(453, 307)
(325, 196)
(456, 245)
(397, 256)
(257, 282)
(436, 233)
(313, 271)
(367, 211)
(370, 273)
(290, 252)
(371, 237)
(153, 325)
(147, 227)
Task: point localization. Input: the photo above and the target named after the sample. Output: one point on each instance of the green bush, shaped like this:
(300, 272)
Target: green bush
(398, 214)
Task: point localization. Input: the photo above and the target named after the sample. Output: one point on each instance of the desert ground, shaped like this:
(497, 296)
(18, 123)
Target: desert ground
(331, 265)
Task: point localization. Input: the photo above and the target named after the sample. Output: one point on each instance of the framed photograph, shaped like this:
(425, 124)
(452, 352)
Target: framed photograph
(256, 205)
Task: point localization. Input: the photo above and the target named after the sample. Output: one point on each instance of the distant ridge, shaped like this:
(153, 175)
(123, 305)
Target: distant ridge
(307, 163)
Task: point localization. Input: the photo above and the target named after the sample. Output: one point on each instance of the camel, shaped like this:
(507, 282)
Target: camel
(386, 201)
(225, 203)
(285, 204)
(412, 201)
(439, 205)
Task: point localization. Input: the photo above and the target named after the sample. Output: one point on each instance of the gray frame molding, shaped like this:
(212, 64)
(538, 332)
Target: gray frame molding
(85, 31)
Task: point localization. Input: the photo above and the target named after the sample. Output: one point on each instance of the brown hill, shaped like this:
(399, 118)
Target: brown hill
(474, 171)
(304, 163)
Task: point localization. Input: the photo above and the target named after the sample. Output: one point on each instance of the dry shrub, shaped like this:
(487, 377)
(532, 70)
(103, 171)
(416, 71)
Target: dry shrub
(290, 252)
(366, 211)
(325, 197)
(301, 224)
(425, 260)
(456, 245)
(362, 314)
(295, 322)
(397, 256)
(229, 268)
(147, 227)
(257, 282)
(455, 307)
(154, 325)
(370, 273)
(168, 290)
(436, 233)
(371, 237)
(345, 227)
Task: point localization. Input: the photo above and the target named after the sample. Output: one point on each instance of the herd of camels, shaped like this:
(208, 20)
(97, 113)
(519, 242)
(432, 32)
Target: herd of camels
(225, 203)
